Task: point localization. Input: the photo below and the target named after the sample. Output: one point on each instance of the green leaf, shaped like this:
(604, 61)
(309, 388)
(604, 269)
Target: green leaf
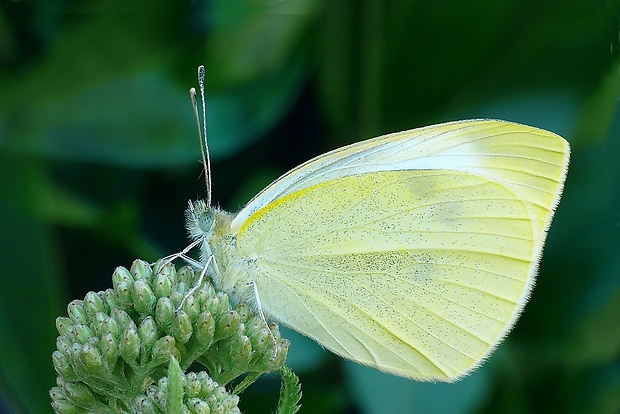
(290, 392)
(174, 398)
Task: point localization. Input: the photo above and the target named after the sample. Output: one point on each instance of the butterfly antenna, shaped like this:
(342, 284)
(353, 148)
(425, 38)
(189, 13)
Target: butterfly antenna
(202, 129)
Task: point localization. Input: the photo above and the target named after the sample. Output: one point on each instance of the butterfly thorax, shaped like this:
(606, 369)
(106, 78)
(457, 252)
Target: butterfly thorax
(211, 227)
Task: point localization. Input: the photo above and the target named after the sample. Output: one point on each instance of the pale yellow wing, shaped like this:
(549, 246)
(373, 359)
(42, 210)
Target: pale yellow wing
(416, 271)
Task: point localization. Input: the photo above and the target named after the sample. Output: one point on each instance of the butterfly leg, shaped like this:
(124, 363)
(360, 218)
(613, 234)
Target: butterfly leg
(261, 314)
(182, 255)
(201, 279)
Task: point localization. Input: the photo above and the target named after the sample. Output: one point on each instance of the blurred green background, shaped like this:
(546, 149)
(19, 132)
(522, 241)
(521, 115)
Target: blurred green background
(99, 156)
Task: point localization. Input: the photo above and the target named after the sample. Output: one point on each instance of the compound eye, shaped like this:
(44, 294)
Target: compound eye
(206, 221)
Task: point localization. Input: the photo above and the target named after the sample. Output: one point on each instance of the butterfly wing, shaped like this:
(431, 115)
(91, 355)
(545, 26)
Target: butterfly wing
(414, 252)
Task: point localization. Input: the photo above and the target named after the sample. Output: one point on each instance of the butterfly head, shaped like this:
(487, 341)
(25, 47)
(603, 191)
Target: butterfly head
(205, 222)
(200, 220)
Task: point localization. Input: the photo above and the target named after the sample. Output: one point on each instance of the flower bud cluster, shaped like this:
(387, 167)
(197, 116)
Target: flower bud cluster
(114, 346)
(202, 395)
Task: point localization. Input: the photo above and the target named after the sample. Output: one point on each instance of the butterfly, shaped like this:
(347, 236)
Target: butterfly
(414, 252)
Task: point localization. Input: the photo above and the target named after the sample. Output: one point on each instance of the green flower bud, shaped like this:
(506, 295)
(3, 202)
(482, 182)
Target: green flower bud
(261, 336)
(164, 312)
(82, 333)
(159, 264)
(217, 304)
(142, 404)
(61, 404)
(78, 392)
(130, 344)
(162, 386)
(75, 355)
(186, 275)
(223, 402)
(168, 269)
(121, 317)
(91, 358)
(190, 306)
(163, 349)
(198, 406)
(177, 295)
(220, 393)
(244, 311)
(141, 270)
(76, 312)
(230, 404)
(262, 342)
(224, 302)
(64, 326)
(110, 326)
(181, 327)
(63, 343)
(207, 385)
(147, 331)
(254, 325)
(204, 328)
(176, 352)
(62, 365)
(213, 305)
(210, 289)
(97, 323)
(282, 351)
(275, 330)
(227, 325)
(122, 275)
(109, 297)
(74, 351)
(201, 296)
(143, 297)
(93, 304)
(158, 392)
(241, 351)
(109, 348)
(122, 288)
(66, 407)
(192, 386)
(94, 341)
(162, 286)
(267, 357)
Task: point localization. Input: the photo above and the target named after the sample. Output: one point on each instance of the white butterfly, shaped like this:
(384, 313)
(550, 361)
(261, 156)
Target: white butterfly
(413, 252)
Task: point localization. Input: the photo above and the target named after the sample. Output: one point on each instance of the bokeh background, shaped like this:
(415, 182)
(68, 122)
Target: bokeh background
(99, 156)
